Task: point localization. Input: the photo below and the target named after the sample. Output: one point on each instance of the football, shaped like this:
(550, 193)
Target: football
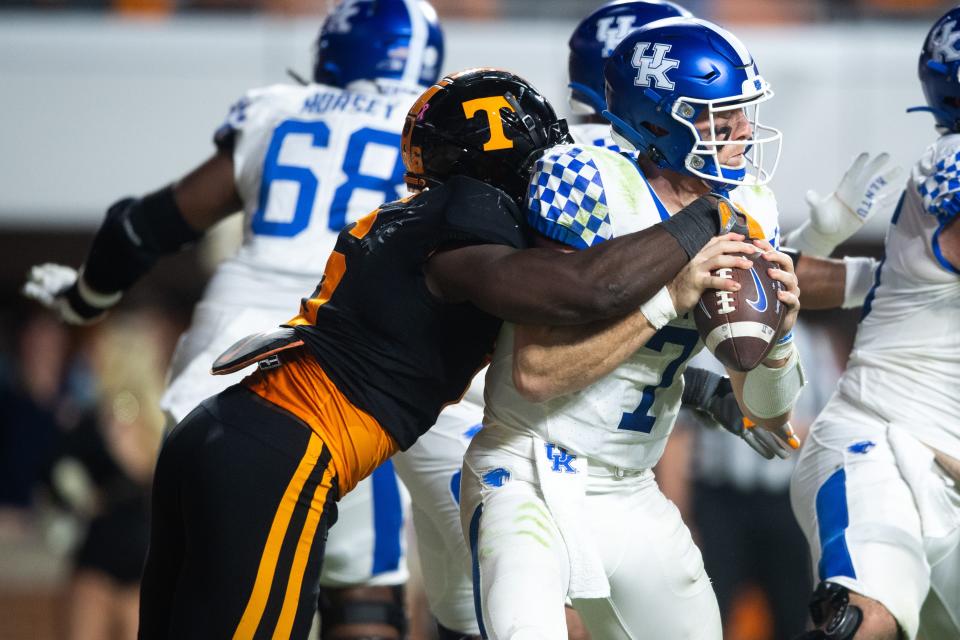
(739, 327)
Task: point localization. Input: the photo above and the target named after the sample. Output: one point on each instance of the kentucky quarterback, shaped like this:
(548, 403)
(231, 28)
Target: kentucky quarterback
(558, 497)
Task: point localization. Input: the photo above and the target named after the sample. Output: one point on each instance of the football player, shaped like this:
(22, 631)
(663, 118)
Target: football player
(875, 488)
(869, 187)
(300, 162)
(246, 485)
(558, 496)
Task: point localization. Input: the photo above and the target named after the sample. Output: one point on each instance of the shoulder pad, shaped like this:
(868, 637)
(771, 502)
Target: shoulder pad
(939, 188)
(239, 114)
(566, 200)
(597, 135)
(759, 204)
(475, 211)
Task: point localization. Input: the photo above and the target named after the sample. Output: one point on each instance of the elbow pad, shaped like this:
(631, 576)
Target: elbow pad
(768, 393)
(134, 234)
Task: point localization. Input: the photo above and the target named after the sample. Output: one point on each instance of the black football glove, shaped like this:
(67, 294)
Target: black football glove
(711, 395)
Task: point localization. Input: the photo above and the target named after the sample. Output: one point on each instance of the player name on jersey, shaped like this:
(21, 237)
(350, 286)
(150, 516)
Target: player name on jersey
(347, 102)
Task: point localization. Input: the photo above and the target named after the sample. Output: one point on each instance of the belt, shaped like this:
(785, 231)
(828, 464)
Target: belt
(603, 470)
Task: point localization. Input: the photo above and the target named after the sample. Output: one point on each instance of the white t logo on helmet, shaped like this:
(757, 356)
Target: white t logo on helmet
(612, 30)
(943, 42)
(653, 67)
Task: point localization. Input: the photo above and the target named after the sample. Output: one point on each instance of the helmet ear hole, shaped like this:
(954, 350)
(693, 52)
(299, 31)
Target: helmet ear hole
(654, 129)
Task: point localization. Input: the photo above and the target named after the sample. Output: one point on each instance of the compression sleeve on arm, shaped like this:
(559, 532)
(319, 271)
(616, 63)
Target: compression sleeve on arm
(134, 234)
(694, 225)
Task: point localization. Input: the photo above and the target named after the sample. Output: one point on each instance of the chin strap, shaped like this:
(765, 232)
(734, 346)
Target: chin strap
(938, 114)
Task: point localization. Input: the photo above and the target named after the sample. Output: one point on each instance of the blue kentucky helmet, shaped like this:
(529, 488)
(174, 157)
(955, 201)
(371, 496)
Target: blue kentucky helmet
(673, 73)
(396, 40)
(594, 40)
(939, 71)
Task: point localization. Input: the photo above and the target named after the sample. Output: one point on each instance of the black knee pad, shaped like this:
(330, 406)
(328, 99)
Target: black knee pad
(832, 612)
(449, 634)
(337, 610)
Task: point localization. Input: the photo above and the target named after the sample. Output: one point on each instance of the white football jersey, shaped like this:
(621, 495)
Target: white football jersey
(308, 160)
(905, 363)
(623, 419)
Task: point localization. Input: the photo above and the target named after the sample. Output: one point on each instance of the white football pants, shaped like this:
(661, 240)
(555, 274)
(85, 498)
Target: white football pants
(881, 517)
(522, 568)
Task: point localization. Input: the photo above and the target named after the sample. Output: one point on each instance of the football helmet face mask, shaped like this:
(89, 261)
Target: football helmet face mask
(668, 76)
(393, 40)
(939, 71)
(483, 123)
(597, 36)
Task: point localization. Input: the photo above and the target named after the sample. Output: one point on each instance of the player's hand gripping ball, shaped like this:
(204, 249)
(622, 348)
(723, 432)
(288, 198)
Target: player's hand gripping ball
(740, 327)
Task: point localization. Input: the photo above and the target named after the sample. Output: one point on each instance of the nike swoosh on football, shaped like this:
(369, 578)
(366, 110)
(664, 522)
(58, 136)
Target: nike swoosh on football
(760, 304)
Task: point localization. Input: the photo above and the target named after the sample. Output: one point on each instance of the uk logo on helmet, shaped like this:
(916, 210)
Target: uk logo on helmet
(612, 30)
(653, 67)
(943, 42)
(340, 18)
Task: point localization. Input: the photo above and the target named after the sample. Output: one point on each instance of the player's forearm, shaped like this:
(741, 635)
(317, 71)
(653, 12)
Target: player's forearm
(610, 280)
(767, 394)
(822, 282)
(737, 380)
(548, 287)
(833, 284)
(554, 361)
(138, 231)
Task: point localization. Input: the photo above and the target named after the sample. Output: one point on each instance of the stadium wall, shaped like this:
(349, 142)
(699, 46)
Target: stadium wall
(96, 106)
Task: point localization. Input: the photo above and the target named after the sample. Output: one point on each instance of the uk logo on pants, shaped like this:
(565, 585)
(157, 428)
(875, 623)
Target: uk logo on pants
(561, 459)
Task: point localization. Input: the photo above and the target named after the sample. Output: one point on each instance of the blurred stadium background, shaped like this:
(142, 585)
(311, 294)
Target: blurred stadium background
(102, 98)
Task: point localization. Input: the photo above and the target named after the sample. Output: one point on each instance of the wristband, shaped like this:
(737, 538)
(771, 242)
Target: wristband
(782, 349)
(93, 298)
(659, 309)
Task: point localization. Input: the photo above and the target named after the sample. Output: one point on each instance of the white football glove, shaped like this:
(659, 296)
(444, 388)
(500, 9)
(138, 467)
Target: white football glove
(868, 188)
(54, 285)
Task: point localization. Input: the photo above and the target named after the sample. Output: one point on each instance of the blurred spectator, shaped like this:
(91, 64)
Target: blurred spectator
(723, 11)
(29, 401)
(104, 473)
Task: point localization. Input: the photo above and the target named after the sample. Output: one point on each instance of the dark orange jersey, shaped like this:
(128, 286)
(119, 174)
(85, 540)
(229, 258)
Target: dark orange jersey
(392, 348)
